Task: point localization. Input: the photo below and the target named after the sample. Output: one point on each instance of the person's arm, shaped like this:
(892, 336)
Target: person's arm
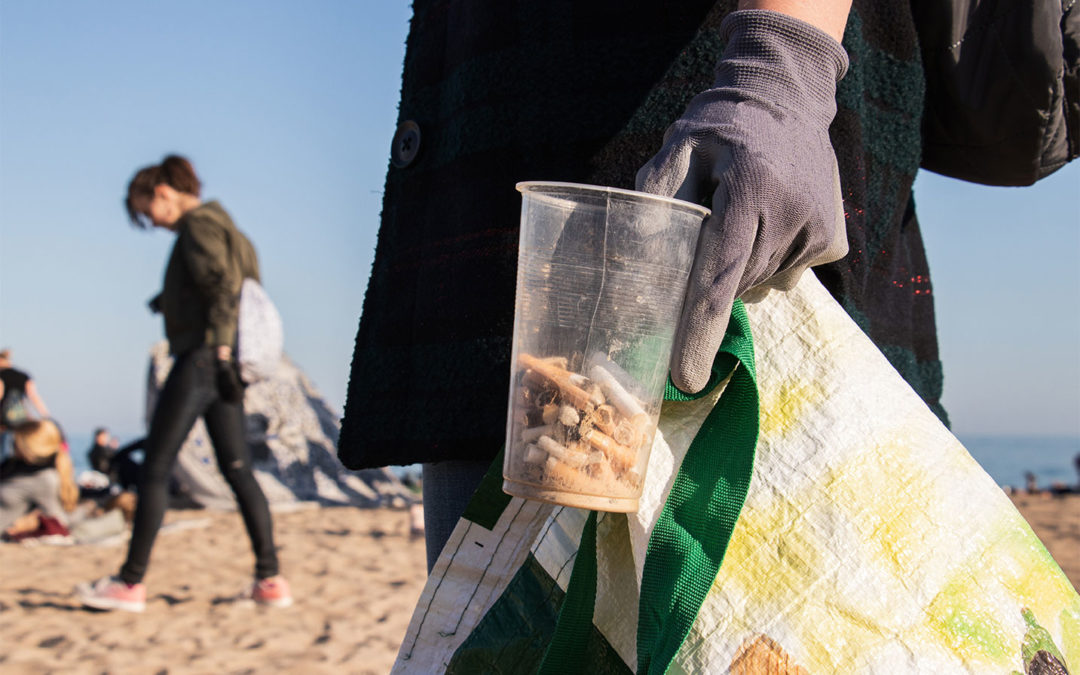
(205, 248)
(126, 450)
(39, 405)
(136, 444)
(828, 15)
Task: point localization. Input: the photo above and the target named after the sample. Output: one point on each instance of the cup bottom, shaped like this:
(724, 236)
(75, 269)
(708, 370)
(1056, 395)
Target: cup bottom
(572, 499)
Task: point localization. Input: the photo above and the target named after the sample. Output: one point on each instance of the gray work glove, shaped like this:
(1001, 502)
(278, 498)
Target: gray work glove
(758, 141)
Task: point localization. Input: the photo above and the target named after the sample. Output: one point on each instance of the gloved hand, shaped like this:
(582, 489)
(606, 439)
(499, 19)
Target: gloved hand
(229, 385)
(758, 141)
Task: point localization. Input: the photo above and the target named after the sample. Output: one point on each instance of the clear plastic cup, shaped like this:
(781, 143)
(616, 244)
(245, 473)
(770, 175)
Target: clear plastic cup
(601, 277)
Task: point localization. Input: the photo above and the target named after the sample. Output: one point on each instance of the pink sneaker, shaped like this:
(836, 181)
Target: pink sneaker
(111, 593)
(273, 592)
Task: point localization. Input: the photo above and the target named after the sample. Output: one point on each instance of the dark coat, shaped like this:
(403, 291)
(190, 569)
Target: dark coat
(495, 93)
(199, 300)
(1003, 95)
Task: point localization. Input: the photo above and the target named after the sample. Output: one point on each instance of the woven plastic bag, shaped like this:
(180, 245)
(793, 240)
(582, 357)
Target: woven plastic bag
(869, 542)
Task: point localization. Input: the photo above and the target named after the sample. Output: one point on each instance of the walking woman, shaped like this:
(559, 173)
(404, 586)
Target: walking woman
(198, 302)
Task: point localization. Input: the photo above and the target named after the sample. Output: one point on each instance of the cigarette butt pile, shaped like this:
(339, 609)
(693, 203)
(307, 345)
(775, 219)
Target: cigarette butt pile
(579, 433)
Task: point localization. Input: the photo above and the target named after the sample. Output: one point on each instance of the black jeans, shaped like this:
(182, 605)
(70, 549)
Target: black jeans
(190, 392)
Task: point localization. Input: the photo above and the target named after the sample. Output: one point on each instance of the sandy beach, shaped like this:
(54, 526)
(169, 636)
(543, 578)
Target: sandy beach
(1056, 521)
(356, 575)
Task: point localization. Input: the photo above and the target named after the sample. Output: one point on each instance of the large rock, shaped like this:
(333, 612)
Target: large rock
(292, 433)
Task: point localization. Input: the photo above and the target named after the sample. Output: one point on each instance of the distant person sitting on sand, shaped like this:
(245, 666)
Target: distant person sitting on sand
(16, 390)
(117, 464)
(101, 453)
(198, 303)
(38, 478)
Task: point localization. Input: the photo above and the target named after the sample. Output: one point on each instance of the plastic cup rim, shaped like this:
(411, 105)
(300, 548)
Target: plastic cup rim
(531, 186)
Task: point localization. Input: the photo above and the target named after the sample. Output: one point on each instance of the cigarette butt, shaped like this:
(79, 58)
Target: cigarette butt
(560, 377)
(602, 472)
(625, 434)
(548, 396)
(557, 361)
(561, 473)
(604, 419)
(628, 381)
(616, 393)
(621, 457)
(592, 455)
(556, 449)
(596, 394)
(550, 413)
(531, 434)
(633, 432)
(541, 390)
(644, 425)
(534, 455)
(568, 416)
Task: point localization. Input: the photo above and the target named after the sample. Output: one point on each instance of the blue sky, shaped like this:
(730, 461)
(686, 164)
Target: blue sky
(287, 110)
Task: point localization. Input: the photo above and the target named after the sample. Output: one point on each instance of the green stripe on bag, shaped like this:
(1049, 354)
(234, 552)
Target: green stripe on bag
(489, 501)
(513, 634)
(564, 651)
(691, 536)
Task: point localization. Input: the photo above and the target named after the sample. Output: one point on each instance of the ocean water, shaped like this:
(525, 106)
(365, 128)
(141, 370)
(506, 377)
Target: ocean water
(1008, 458)
(1005, 458)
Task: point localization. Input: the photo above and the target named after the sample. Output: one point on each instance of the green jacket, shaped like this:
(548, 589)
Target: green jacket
(200, 297)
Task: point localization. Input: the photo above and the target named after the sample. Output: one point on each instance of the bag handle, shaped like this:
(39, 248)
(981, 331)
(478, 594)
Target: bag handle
(564, 652)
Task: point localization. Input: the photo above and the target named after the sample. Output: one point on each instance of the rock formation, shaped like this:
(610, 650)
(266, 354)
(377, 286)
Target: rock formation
(292, 433)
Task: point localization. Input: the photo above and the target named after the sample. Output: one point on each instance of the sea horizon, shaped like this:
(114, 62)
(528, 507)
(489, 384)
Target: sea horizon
(1006, 457)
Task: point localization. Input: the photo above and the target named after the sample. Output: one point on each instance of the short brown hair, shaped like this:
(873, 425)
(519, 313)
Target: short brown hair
(174, 171)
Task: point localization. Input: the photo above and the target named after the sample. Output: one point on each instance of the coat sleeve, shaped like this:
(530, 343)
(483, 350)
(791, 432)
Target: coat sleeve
(206, 249)
(1002, 100)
